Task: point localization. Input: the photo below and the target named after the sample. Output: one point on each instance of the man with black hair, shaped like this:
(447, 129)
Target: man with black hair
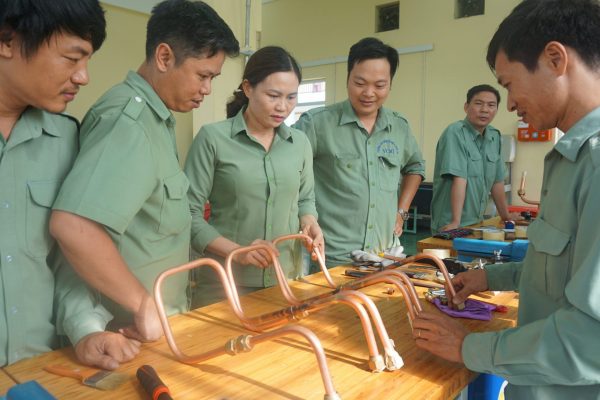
(469, 165)
(122, 215)
(547, 55)
(44, 51)
(367, 164)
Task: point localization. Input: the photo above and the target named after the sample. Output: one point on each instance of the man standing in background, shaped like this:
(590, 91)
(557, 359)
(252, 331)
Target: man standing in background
(367, 164)
(469, 165)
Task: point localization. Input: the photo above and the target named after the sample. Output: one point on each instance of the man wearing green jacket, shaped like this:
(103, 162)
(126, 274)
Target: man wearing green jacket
(122, 215)
(547, 55)
(44, 51)
(367, 163)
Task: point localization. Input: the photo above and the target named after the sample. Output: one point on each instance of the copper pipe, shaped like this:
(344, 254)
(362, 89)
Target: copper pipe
(521, 191)
(302, 309)
(242, 343)
(317, 254)
(312, 339)
(391, 354)
(438, 263)
(398, 279)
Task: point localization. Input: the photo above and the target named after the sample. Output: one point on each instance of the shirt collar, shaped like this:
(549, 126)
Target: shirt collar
(31, 125)
(349, 116)
(238, 125)
(578, 135)
(144, 90)
(475, 133)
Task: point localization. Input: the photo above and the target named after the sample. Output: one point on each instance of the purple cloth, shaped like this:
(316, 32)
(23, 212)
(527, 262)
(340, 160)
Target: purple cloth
(474, 309)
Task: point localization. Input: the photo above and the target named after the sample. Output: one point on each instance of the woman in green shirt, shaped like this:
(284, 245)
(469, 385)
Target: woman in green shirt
(257, 174)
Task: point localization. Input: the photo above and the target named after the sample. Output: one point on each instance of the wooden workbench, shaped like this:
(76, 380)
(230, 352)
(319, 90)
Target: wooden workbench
(6, 382)
(285, 368)
(436, 243)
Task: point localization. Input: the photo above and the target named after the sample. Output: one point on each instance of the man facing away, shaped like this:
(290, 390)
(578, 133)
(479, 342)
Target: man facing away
(45, 47)
(367, 164)
(122, 216)
(547, 55)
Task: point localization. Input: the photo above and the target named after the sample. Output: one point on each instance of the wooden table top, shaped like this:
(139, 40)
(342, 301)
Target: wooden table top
(6, 382)
(284, 368)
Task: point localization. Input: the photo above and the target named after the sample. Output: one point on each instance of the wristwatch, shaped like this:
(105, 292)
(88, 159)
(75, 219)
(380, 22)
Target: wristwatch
(403, 214)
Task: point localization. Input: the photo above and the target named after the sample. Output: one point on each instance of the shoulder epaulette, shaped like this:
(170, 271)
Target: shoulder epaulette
(134, 107)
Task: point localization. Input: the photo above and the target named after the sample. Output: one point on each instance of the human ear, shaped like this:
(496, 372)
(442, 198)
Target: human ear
(246, 87)
(556, 57)
(7, 43)
(164, 57)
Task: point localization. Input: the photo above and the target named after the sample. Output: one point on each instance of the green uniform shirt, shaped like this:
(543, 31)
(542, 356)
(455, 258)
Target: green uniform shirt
(253, 193)
(127, 177)
(33, 164)
(554, 352)
(357, 176)
(463, 152)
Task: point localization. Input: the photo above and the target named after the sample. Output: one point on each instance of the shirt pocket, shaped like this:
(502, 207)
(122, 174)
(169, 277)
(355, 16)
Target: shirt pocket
(389, 173)
(40, 197)
(346, 170)
(175, 212)
(553, 258)
(475, 164)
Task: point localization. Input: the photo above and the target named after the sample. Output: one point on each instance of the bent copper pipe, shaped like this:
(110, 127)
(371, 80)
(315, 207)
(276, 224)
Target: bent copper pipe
(317, 254)
(521, 191)
(393, 359)
(301, 309)
(438, 263)
(398, 279)
(242, 343)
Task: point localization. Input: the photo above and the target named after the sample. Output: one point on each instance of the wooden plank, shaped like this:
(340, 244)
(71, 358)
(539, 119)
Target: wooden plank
(284, 368)
(6, 382)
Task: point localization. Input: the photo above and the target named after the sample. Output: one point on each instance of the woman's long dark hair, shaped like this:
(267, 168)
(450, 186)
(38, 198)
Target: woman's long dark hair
(261, 64)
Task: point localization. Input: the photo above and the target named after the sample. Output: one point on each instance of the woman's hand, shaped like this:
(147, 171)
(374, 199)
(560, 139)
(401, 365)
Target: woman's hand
(260, 258)
(310, 227)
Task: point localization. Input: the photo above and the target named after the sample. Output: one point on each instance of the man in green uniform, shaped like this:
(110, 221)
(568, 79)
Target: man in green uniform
(547, 55)
(122, 215)
(469, 165)
(363, 153)
(44, 51)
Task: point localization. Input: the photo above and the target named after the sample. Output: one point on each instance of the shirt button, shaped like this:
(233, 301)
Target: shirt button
(138, 99)
(370, 162)
(6, 204)
(349, 166)
(9, 258)
(372, 205)
(16, 355)
(370, 226)
(14, 310)
(372, 183)
(267, 158)
(368, 246)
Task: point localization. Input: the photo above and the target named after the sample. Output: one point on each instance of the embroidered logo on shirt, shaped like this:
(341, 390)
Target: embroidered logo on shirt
(387, 147)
